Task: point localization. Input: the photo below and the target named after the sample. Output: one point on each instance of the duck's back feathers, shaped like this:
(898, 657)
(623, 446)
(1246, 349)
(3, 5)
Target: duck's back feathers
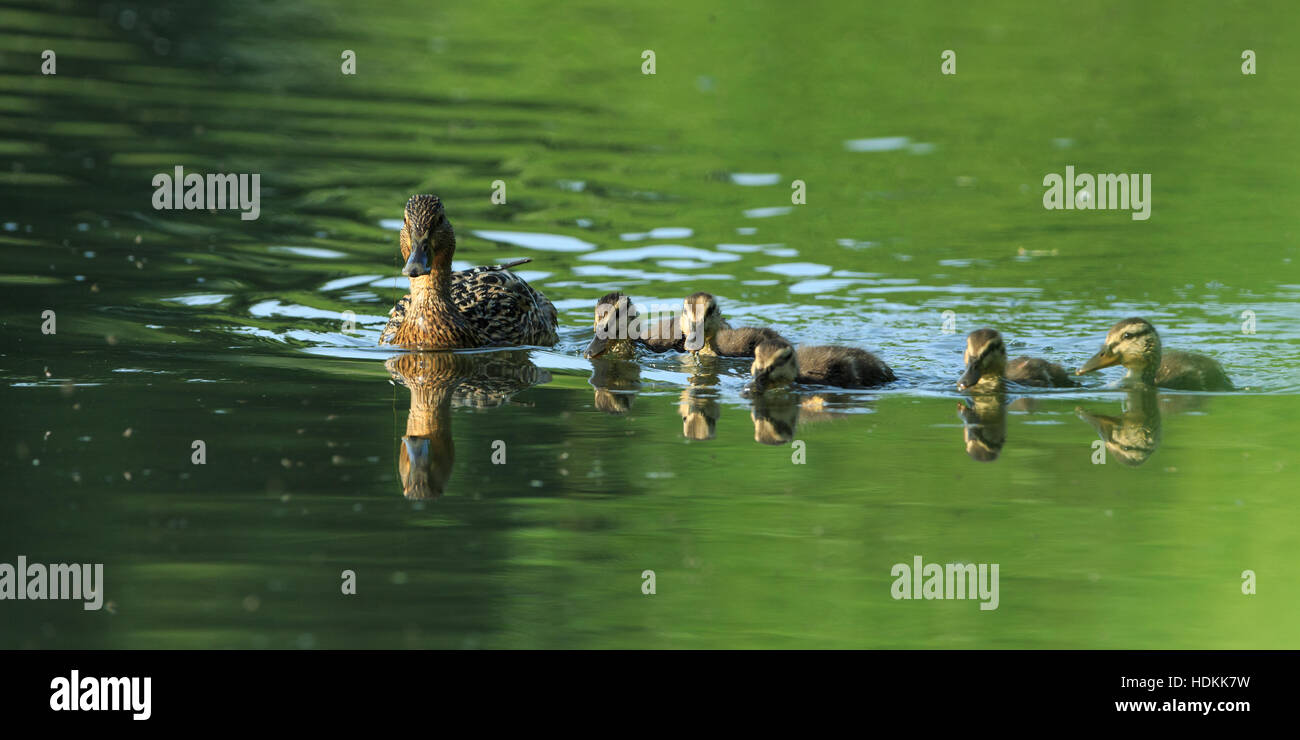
(741, 342)
(1039, 373)
(503, 307)
(1186, 371)
(845, 367)
(664, 335)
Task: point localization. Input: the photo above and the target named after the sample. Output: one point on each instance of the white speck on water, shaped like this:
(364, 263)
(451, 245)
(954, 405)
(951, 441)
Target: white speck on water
(879, 144)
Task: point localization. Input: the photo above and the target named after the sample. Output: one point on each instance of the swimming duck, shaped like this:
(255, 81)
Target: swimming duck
(619, 329)
(447, 309)
(987, 367)
(777, 363)
(705, 332)
(1135, 344)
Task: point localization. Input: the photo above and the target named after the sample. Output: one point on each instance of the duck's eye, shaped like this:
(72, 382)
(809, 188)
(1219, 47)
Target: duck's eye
(1128, 335)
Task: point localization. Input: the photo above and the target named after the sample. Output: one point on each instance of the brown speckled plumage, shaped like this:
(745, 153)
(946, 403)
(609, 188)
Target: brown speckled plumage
(479, 307)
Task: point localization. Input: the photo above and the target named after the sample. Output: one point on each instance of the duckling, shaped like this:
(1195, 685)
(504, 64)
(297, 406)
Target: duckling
(705, 332)
(987, 367)
(484, 306)
(777, 363)
(1135, 344)
(619, 329)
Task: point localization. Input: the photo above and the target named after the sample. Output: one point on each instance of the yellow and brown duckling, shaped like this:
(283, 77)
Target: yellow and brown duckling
(705, 332)
(619, 330)
(446, 309)
(1135, 344)
(777, 363)
(987, 369)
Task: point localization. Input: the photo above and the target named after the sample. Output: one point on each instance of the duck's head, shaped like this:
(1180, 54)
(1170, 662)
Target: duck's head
(700, 320)
(985, 358)
(775, 364)
(426, 235)
(1132, 343)
(617, 324)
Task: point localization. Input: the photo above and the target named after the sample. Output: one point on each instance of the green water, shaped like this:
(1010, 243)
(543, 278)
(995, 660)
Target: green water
(175, 326)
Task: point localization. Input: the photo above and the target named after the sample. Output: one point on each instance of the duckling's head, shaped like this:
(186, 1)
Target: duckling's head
(701, 318)
(775, 364)
(985, 358)
(1132, 343)
(426, 234)
(617, 324)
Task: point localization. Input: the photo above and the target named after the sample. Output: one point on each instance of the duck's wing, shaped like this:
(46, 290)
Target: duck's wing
(1191, 372)
(741, 342)
(504, 308)
(395, 319)
(1037, 372)
(664, 336)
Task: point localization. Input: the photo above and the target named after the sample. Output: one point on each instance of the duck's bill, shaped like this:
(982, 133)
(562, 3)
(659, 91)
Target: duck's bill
(1104, 358)
(694, 339)
(757, 385)
(418, 263)
(969, 378)
(599, 345)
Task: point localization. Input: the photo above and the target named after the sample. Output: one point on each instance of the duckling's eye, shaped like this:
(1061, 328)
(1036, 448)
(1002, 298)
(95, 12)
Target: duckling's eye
(1128, 335)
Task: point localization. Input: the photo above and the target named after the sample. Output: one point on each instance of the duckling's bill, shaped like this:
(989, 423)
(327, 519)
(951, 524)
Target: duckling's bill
(1104, 358)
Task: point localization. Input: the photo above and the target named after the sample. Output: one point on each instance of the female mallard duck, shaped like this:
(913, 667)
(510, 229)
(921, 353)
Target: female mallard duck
(479, 307)
(777, 363)
(619, 329)
(987, 367)
(705, 331)
(1135, 344)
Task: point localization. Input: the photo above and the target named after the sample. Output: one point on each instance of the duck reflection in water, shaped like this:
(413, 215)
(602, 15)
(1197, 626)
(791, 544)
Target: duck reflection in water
(984, 426)
(616, 382)
(439, 381)
(698, 406)
(1134, 435)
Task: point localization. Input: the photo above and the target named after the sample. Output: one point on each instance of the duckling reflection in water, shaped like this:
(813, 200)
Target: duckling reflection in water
(616, 382)
(777, 415)
(1135, 344)
(620, 330)
(984, 426)
(705, 332)
(777, 363)
(699, 409)
(987, 369)
(1134, 435)
(438, 381)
